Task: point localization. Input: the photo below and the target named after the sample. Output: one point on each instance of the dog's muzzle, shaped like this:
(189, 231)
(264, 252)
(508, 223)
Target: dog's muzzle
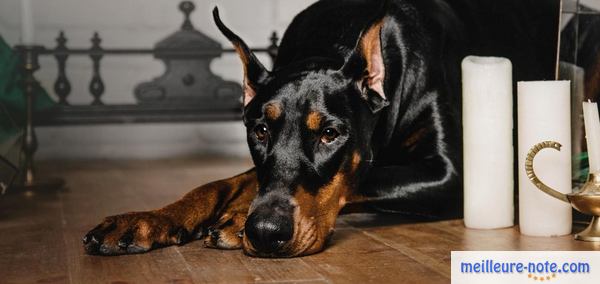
(270, 227)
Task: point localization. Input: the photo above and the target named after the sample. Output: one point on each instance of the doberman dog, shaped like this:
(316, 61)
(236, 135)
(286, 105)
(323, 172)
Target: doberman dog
(362, 107)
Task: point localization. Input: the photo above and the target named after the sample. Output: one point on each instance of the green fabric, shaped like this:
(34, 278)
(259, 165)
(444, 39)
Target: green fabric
(12, 100)
(584, 168)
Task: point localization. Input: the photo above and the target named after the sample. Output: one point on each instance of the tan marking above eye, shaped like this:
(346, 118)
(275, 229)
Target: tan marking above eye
(273, 111)
(313, 120)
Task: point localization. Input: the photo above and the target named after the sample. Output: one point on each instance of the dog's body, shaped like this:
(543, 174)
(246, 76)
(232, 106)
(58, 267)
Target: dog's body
(362, 105)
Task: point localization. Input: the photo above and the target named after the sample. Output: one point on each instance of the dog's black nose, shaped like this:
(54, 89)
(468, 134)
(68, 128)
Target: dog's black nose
(268, 230)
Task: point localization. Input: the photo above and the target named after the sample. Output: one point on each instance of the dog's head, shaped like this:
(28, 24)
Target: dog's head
(309, 127)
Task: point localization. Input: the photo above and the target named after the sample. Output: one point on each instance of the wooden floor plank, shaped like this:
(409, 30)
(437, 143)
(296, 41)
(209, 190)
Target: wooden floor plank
(354, 257)
(32, 248)
(40, 236)
(510, 239)
(281, 270)
(421, 241)
(429, 243)
(215, 266)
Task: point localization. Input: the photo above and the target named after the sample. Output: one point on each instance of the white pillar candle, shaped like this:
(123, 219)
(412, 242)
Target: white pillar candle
(27, 35)
(487, 112)
(544, 113)
(592, 135)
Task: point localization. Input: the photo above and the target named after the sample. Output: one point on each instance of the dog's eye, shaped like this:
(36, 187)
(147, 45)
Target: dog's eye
(329, 134)
(261, 132)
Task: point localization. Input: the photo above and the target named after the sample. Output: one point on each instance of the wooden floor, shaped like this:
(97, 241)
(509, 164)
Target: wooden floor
(40, 235)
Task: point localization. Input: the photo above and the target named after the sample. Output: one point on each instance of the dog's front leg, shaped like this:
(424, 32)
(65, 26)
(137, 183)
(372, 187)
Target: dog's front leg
(428, 187)
(218, 209)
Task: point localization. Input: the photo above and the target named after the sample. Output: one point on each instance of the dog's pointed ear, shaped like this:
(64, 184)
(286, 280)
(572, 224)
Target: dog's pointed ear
(365, 64)
(254, 71)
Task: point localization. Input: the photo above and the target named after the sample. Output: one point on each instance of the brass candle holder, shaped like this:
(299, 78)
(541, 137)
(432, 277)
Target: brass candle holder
(586, 200)
(28, 182)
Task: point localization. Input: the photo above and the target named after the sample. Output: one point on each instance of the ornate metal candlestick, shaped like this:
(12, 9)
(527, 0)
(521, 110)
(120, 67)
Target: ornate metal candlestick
(586, 200)
(29, 64)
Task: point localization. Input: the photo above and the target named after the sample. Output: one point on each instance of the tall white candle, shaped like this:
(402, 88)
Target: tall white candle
(592, 135)
(544, 113)
(487, 112)
(27, 34)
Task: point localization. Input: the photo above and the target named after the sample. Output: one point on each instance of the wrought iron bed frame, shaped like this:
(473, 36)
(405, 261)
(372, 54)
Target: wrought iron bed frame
(157, 102)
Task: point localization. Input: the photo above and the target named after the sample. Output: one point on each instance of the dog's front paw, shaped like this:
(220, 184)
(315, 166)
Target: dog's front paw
(227, 233)
(134, 232)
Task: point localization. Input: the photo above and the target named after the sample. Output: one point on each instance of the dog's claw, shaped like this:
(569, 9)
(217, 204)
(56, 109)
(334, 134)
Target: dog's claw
(91, 244)
(213, 233)
(199, 233)
(136, 249)
(125, 240)
(182, 236)
(104, 249)
(95, 240)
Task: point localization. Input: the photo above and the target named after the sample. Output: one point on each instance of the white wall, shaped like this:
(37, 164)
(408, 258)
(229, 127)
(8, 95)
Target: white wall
(140, 23)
